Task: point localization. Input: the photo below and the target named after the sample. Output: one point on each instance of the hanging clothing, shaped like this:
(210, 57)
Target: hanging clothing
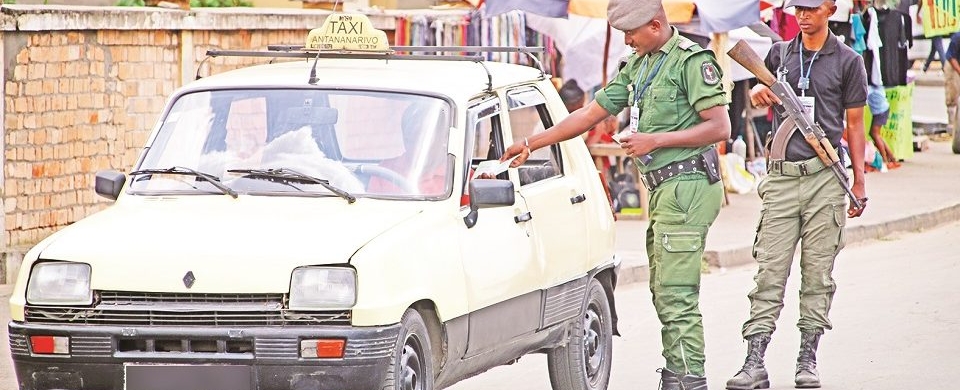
(784, 24)
(509, 29)
(843, 31)
(874, 43)
(896, 34)
(839, 22)
(859, 33)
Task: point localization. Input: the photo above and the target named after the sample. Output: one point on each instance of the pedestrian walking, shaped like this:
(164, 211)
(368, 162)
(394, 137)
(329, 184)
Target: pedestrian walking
(951, 78)
(936, 44)
(677, 113)
(803, 202)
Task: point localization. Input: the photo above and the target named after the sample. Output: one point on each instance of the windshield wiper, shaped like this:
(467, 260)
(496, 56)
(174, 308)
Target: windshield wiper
(290, 174)
(175, 170)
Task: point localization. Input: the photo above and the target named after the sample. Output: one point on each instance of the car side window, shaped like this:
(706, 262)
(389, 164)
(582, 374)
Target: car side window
(528, 116)
(484, 140)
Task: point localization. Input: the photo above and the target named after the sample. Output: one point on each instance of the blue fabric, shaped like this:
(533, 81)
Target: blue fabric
(548, 8)
(859, 33)
(726, 15)
(877, 99)
(954, 47)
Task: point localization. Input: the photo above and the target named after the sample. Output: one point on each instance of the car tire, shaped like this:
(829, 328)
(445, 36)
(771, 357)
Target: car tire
(584, 363)
(411, 366)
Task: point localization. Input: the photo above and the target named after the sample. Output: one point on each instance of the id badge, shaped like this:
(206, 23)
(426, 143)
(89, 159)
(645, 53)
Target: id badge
(635, 118)
(808, 103)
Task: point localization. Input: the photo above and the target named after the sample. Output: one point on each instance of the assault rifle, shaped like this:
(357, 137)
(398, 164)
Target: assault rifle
(796, 116)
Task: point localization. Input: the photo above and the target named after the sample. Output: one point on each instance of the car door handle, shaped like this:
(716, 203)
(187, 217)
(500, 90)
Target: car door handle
(523, 217)
(578, 199)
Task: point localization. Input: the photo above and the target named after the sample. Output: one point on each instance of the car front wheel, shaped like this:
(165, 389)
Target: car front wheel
(411, 367)
(584, 363)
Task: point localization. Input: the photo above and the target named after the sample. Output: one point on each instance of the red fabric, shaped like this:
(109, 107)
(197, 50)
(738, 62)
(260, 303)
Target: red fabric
(465, 198)
(784, 24)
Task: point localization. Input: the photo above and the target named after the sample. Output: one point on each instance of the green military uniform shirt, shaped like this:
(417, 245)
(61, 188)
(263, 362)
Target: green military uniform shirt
(688, 82)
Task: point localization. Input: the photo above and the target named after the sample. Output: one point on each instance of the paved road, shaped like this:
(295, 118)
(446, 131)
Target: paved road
(895, 325)
(895, 315)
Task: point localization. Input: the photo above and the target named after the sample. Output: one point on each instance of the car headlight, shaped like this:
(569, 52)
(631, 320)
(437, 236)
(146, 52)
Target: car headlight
(59, 283)
(316, 288)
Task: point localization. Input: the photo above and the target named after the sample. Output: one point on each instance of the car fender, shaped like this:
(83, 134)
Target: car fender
(417, 260)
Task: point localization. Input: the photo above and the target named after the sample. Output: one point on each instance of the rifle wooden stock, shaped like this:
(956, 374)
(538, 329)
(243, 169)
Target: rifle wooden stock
(746, 57)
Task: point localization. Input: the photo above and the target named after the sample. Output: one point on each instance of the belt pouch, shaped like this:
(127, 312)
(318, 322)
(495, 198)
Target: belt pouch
(711, 162)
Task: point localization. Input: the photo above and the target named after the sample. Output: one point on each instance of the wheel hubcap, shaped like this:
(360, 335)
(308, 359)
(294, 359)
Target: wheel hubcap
(593, 348)
(411, 366)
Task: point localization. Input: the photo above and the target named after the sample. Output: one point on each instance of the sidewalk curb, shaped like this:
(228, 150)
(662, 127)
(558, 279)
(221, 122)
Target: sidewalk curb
(734, 257)
(929, 82)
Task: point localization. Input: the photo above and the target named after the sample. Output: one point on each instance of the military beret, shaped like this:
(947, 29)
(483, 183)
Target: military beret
(626, 15)
(803, 3)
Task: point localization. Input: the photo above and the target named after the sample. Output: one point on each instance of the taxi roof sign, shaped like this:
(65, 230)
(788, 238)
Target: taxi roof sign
(347, 32)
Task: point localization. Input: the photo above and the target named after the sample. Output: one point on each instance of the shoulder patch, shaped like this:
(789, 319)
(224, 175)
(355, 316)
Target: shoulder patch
(686, 43)
(711, 75)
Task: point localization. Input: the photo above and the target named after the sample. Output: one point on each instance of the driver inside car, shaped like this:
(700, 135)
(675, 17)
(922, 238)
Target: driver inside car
(423, 160)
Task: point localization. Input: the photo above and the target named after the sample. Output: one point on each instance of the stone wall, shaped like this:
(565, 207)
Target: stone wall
(83, 86)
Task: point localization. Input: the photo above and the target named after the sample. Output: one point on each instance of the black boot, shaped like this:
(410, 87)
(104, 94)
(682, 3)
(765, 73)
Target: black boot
(807, 375)
(670, 380)
(753, 375)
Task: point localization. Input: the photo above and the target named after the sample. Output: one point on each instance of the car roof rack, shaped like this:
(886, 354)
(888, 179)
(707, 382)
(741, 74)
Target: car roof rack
(298, 51)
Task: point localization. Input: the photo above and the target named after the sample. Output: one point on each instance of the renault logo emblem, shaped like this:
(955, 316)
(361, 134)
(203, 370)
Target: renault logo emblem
(188, 279)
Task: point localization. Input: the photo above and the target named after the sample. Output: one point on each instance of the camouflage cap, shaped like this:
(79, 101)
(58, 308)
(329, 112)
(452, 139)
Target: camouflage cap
(626, 15)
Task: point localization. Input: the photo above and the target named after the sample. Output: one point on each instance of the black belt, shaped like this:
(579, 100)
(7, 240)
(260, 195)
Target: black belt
(706, 162)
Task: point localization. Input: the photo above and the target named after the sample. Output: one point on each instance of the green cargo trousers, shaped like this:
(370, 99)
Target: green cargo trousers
(810, 208)
(681, 211)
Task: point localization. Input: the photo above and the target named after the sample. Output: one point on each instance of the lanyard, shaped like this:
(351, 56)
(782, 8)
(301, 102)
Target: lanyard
(646, 84)
(804, 83)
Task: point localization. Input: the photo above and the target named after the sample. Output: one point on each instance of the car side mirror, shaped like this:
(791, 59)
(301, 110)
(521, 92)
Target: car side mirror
(486, 193)
(109, 183)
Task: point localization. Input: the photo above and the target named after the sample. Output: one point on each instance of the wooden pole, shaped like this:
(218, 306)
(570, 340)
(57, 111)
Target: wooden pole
(718, 43)
(606, 54)
(749, 128)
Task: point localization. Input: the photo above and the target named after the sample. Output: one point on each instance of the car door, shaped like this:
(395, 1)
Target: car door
(552, 194)
(499, 260)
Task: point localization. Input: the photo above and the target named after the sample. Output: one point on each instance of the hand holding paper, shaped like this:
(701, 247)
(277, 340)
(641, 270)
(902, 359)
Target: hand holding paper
(618, 138)
(493, 167)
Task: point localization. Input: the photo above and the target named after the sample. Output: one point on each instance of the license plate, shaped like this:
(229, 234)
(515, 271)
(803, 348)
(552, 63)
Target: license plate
(185, 377)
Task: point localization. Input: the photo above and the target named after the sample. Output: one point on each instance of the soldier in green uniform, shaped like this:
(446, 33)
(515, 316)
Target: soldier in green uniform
(677, 105)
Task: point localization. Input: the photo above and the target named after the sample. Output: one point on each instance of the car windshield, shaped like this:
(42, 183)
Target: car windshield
(362, 143)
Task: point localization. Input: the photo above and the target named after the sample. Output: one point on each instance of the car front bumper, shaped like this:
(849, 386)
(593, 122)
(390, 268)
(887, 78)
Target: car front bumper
(110, 357)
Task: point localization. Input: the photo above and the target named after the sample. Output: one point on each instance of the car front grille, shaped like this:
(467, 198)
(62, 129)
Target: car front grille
(165, 309)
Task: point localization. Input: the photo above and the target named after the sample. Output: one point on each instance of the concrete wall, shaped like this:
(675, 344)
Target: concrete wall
(67, 2)
(83, 86)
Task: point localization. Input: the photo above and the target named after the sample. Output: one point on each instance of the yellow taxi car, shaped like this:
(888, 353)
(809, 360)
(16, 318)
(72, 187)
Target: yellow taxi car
(317, 223)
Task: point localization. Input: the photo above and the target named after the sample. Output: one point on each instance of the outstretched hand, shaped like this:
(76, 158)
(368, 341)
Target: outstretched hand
(519, 149)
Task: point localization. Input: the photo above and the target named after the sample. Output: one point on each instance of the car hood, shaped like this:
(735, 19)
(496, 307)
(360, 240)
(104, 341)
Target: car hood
(248, 244)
